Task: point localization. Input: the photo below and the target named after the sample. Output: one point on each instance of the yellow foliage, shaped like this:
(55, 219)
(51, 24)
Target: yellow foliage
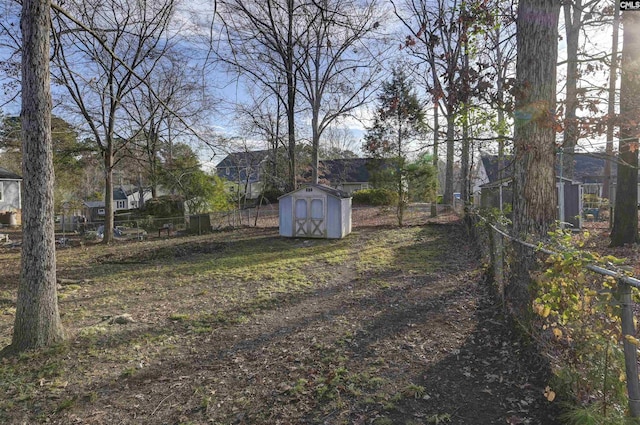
(557, 332)
(632, 340)
(549, 393)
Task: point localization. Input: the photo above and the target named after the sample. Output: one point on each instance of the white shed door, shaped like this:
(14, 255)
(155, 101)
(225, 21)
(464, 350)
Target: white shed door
(309, 220)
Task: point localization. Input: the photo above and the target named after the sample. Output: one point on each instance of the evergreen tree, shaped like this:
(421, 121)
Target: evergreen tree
(398, 123)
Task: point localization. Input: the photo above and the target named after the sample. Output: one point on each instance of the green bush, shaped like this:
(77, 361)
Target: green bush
(164, 206)
(375, 197)
(273, 194)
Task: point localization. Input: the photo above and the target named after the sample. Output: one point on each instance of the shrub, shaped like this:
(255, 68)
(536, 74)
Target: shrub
(272, 194)
(375, 197)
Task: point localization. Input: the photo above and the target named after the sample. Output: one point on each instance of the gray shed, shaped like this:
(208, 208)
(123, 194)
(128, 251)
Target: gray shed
(315, 211)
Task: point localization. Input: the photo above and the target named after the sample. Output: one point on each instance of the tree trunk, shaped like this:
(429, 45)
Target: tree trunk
(436, 129)
(573, 23)
(448, 175)
(465, 158)
(108, 195)
(534, 192)
(291, 99)
(315, 144)
(37, 322)
(625, 219)
(611, 108)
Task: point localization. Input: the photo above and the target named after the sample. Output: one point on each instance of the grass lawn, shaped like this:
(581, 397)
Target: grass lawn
(247, 327)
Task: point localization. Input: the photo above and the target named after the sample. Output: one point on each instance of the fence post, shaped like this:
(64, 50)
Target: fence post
(630, 350)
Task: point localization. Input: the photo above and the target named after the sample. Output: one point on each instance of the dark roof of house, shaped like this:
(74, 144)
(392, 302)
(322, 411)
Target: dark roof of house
(242, 166)
(588, 167)
(94, 204)
(119, 193)
(345, 170)
(492, 166)
(243, 159)
(8, 175)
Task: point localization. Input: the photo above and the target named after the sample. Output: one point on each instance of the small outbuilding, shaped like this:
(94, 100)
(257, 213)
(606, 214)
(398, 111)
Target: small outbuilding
(315, 211)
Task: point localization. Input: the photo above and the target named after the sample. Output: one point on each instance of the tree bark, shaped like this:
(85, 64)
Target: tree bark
(611, 108)
(37, 322)
(534, 202)
(573, 22)
(448, 174)
(625, 220)
(108, 196)
(436, 129)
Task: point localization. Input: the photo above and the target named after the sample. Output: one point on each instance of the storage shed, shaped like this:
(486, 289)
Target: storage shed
(500, 193)
(315, 211)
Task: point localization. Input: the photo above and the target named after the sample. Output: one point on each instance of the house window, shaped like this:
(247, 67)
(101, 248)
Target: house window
(100, 211)
(120, 205)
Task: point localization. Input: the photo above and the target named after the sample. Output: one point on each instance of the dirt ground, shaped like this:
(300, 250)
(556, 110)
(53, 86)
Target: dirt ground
(387, 326)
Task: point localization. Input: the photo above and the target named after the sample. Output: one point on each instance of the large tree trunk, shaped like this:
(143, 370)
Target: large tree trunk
(625, 220)
(37, 321)
(534, 202)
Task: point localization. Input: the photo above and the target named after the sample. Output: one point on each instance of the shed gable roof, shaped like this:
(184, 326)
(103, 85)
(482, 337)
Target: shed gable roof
(336, 193)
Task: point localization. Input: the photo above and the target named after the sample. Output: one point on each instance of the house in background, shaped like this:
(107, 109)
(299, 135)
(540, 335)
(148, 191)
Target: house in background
(348, 175)
(136, 196)
(95, 211)
(10, 198)
(245, 169)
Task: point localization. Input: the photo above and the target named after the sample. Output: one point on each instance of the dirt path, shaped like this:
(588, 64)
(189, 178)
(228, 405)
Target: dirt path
(390, 327)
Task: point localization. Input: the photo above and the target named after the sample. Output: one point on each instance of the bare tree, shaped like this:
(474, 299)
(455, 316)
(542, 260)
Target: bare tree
(98, 55)
(170, 103)
(339, 64)
(574, 18)
(37, 321)
(499, 54)
(263, 39)
(263, 118)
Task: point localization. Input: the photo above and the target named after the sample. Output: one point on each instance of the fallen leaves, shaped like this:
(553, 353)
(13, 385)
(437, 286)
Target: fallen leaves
(549, 394)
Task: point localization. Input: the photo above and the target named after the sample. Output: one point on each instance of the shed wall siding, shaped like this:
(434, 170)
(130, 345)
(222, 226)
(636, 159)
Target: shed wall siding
(286, 216)
(10, 196)
(346, 216)
(334, 218)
